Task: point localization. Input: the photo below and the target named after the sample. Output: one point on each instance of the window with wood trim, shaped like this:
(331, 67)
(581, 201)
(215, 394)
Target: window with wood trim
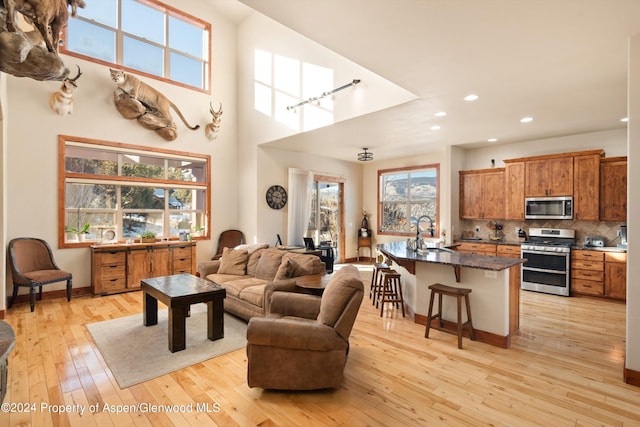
(145, 37)
(406, 195)
(124, 190)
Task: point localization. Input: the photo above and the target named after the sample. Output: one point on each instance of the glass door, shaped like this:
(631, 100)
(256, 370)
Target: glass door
(325, 225)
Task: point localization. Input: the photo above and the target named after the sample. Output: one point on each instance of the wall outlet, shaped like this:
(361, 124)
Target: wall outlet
(489, 274)
(477, 228)
(618, 233)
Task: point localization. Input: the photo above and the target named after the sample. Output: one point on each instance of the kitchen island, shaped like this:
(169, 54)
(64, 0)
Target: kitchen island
(494, 281)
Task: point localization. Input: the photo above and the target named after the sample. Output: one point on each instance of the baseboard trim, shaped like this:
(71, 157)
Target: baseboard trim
(481, 336)
(631, 377)
(61, 293)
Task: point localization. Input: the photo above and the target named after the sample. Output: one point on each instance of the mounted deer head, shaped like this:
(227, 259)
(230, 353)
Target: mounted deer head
(212, 129)
(62, 101)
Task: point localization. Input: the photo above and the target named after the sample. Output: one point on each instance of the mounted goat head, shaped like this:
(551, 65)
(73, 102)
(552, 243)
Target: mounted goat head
(62, 101)
(212, 129)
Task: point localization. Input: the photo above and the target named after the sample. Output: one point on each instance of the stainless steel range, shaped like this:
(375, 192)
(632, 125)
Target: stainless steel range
(548, 254)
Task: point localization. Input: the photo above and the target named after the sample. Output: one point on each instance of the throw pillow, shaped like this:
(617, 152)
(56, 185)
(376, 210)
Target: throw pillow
(251, 248)
(269, 263)
(283, 270)
(301, 265)
(233, 262)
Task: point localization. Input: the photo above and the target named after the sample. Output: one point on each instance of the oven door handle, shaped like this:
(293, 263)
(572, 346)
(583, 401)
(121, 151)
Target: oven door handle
(528, 251)
(544, 270)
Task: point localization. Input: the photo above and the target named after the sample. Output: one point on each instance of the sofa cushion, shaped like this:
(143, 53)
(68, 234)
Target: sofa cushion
(342, 286)
(253, 261)
(233, 262)
(221, 279)
(254, 294)
(283, 270)
(236, 288)
(269, 263)
(302, 265)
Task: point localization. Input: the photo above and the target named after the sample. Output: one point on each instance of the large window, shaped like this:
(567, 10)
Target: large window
(126, 190)
(405, 196)
(144, 36)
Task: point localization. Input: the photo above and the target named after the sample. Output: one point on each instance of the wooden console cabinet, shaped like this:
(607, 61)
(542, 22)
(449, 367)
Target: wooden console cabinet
(120, 267)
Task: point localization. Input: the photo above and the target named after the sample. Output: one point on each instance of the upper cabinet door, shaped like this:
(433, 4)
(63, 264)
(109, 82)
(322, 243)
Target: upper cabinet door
(613, 189)
(586, 189)
(549, 177)
(514, 191)
(482, 194)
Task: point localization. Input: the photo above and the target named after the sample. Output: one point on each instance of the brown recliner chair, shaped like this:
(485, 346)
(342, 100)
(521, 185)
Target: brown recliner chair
(303, 342)
(228, 239)
(32, 266)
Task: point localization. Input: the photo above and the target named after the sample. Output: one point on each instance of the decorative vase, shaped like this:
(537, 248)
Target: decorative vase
(147, 240)
(365, 223)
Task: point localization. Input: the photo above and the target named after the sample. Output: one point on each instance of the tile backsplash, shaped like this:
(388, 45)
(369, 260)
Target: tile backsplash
(607, 229)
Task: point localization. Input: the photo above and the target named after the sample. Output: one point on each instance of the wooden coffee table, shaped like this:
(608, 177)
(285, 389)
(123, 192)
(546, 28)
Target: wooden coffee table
(178, 292)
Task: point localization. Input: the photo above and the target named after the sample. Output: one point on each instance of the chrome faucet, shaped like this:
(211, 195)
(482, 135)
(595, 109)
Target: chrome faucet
(431, 230)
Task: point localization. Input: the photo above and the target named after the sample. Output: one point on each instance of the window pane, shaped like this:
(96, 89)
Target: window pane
(394, 187)
(86, 160)
(142, 56)
(98, 221)
(186, 70)
(186, 37)
(134, 223)
(181, 170)
(188, 221)
(142, 166)
(394, 217)
(142, 198)
(103, 11)
(95, 196)
(143, 21)
(91, 40)
(423, 185)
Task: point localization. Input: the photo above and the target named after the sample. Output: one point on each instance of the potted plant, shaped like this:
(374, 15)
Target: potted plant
(81, 233)
(198, 230)
(147, 237)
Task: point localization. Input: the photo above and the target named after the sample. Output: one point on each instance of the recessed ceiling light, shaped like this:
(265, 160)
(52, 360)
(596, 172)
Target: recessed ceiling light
(492, 139)
(435, 127)
(441, 114)
(471, 97)
(626, 119)
(526, 119)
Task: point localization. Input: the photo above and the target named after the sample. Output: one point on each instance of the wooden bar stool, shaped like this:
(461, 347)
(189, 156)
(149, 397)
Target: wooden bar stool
(376, 282)
(459, 293)
(391, 290)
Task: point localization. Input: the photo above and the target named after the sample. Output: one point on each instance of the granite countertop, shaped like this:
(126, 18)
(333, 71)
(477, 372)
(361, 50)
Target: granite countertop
(600, 249)
(448, 257)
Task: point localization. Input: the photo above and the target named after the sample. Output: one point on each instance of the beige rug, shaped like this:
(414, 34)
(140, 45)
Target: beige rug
(136, 353)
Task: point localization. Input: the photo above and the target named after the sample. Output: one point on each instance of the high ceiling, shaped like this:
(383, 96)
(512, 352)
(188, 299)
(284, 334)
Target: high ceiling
(561, 62)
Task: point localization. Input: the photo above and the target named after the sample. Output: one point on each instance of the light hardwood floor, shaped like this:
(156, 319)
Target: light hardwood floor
(563, 369)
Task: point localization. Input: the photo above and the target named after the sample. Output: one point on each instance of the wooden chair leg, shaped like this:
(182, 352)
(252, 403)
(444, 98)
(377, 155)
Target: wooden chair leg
(472, 332)
(426, 332)
(459, 304)
(69, 286)
(14, 296)
(32, 297)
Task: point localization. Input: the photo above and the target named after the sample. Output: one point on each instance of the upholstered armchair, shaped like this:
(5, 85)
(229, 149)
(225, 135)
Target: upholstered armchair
(303, 342)
(32, 266)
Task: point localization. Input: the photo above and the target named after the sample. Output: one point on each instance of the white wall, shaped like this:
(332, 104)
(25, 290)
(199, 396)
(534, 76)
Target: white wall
(4, 113)
(633, 207)
(32, 130)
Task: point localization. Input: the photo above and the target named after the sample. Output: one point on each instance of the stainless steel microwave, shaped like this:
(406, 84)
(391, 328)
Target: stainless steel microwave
(548, 207)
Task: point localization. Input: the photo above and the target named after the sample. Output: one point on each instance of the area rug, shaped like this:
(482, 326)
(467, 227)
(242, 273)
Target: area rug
(136, 353)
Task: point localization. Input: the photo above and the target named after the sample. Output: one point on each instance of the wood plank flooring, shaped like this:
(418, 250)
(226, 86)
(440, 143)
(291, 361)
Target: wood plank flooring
(563, 369)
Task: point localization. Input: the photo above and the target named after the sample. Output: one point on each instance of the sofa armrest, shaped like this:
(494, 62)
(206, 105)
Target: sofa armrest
(293, 304)
(207, 267)
(299, 334)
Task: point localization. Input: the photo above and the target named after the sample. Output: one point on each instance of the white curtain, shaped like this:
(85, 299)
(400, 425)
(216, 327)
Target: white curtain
(299, 202)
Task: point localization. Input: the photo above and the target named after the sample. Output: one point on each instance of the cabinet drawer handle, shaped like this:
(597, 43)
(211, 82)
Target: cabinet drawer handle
(113, 280)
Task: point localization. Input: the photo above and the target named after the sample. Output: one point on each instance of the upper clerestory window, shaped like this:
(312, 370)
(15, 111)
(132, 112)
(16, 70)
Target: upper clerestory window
(145, 37)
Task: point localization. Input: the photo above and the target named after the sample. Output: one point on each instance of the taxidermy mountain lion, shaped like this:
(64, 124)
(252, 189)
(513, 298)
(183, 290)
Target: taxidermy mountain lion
(154, 101)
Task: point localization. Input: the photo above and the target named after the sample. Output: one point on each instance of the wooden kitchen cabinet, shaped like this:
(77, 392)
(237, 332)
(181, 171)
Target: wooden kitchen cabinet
(613, 189)
(482, 194)
(514, 190)
(615, 275)
(509, 251)
(477, 248)
(549, 176)
(119, 267)
(587, 272)
(586, 187)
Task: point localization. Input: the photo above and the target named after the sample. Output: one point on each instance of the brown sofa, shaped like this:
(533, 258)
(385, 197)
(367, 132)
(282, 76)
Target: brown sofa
(303, 342)
(246, 270)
